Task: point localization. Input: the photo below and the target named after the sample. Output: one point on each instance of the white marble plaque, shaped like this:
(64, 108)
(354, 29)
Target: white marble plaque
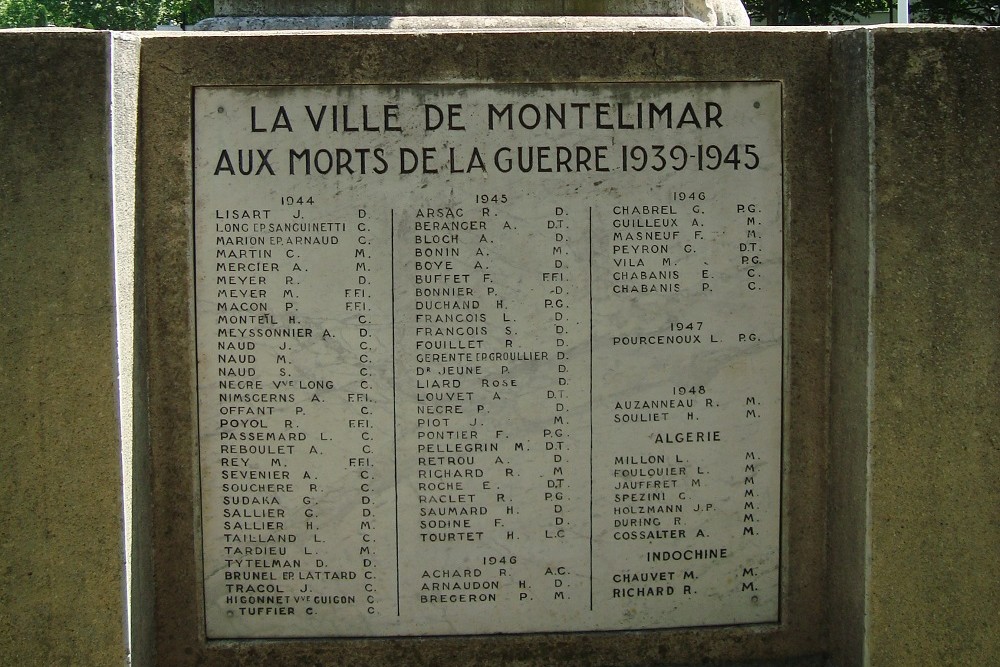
(488, 359)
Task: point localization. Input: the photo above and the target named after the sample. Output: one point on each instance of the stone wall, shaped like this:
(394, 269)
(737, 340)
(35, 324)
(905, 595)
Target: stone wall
(61, 529)
(934, 418)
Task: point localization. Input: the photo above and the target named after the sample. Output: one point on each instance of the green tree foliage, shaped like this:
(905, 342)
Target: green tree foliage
(814, 12)
(979, 12)
(837, 12)
(22, 14)
(102, 14)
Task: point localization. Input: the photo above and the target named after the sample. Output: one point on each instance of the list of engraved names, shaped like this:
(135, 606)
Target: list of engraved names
(479, 359)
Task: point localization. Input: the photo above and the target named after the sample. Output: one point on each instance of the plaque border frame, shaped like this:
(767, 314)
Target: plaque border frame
(170, 74)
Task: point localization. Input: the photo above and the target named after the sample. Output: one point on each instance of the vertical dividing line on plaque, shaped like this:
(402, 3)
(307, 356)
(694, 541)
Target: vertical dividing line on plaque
(395, 422)
(590, 345)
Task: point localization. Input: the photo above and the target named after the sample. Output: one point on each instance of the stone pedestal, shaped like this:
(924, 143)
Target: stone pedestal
(475, 15)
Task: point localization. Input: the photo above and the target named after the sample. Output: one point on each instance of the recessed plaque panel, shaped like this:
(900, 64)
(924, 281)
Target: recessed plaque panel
(488, 359)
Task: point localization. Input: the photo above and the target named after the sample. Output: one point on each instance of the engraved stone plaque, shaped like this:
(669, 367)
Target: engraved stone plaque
(482, 359)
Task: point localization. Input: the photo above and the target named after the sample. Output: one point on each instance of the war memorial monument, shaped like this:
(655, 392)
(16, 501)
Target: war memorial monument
(500, 333)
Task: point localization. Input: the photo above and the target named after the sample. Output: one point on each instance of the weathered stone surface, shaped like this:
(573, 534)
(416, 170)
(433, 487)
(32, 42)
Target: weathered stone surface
(725, 13)
(173, 63)
(850, 384)
(916, 347)
(896, 127)
(61, 551)
(709, 12)
(451, 23)
(935, 304)
(135, 445)
(448, 8)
